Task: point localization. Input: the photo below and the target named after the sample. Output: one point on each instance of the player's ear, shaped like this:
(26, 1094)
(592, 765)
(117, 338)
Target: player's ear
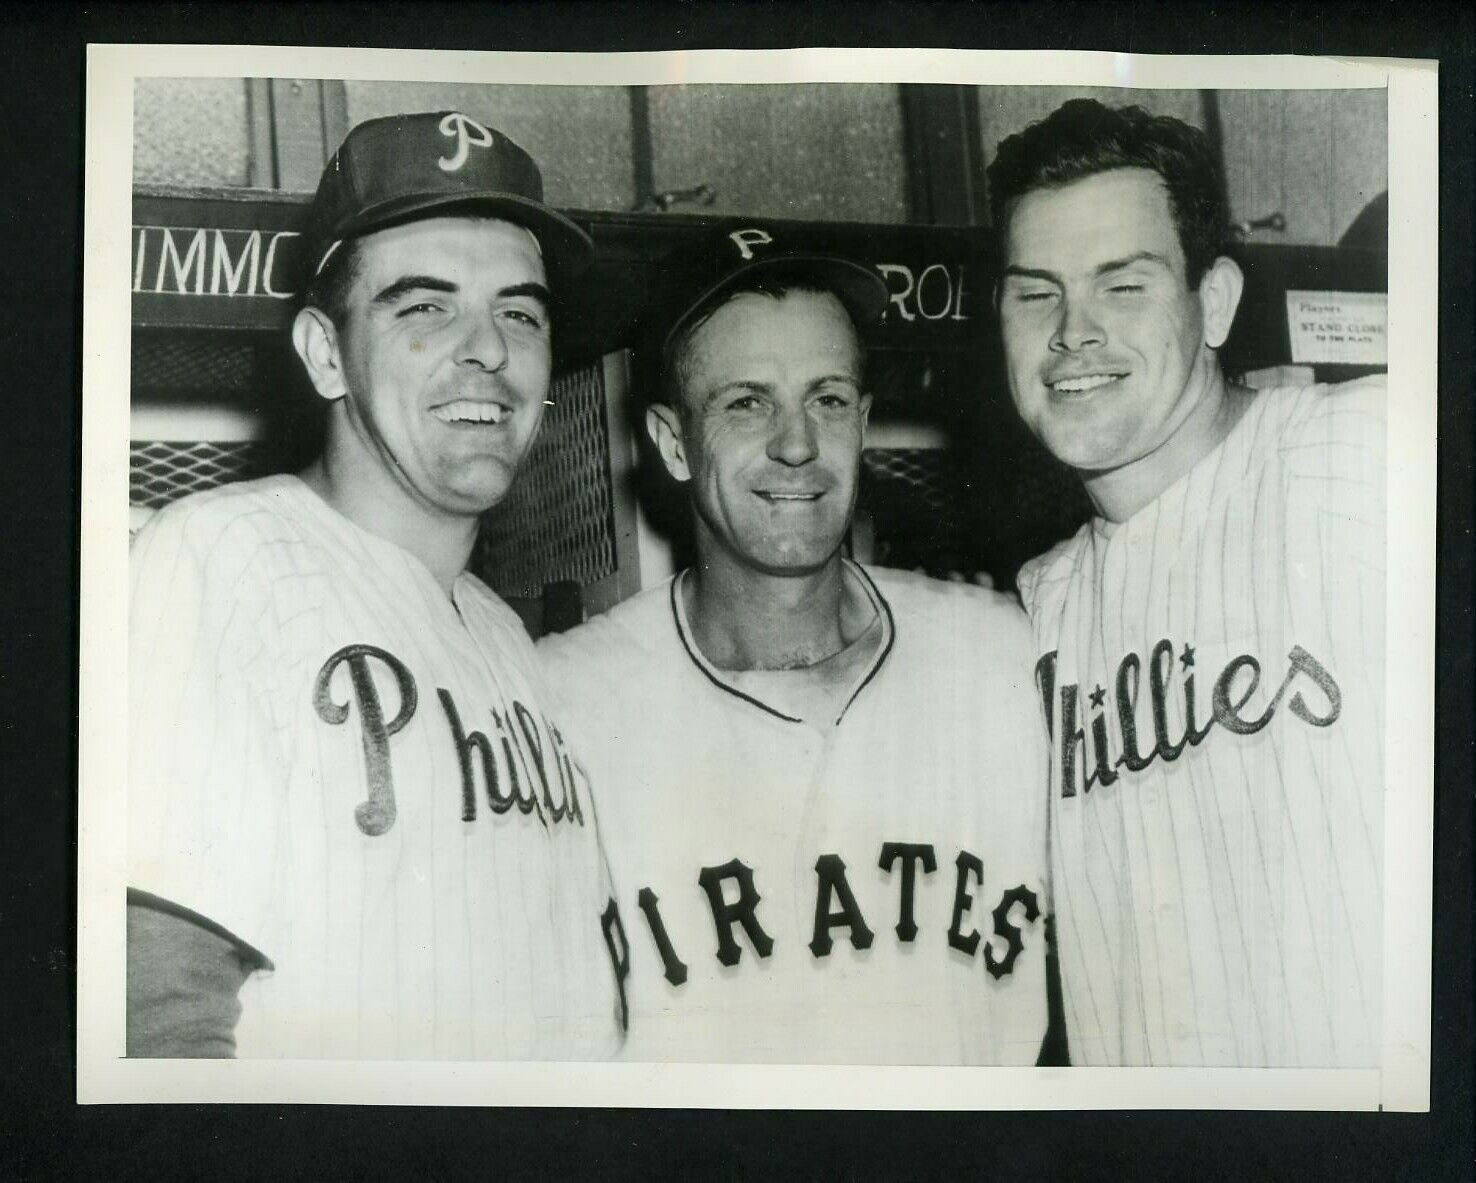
(316, 340)
(1219, 296)
(664, 426)
(865, 410)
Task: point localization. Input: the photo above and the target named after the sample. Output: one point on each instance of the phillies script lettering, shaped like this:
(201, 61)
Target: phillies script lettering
(837, 908)
(1083, 736)
(523, 762)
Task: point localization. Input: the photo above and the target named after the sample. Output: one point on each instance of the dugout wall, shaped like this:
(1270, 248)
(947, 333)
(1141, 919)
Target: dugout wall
(950, 482)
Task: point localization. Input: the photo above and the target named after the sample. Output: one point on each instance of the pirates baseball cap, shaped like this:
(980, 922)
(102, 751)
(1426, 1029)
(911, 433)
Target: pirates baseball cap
(403, 167)
(697, 279)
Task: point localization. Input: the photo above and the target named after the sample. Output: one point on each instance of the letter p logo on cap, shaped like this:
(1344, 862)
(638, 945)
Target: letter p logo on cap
(467, 132)
(746, 240)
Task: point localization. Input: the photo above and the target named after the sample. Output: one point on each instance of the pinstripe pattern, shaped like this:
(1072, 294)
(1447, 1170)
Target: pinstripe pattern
(438, 938)
(1221, 905)
(940, 745)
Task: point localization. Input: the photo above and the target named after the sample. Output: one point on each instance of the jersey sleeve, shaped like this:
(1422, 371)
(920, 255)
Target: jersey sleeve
(1335, 576)
(1027, 581)
(1042, 582)
(183, 986)
(1334, 462)
(206, 777)
(1334, 458)
(583, 692)
(1014, 800)
(1028, 751)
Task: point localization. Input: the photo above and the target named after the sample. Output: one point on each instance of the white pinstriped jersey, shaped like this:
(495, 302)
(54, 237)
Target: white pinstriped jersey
(1214, 675)
(354, 774)
(869, 889)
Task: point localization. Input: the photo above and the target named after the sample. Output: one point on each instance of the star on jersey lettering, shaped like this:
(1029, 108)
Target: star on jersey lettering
(1098, 695)
(1187, 657)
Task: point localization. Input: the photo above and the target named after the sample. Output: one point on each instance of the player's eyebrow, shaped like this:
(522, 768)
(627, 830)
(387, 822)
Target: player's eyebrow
(1014, 270)
(838, 376)
(756, 386)
(432, 283)
(413, 283)
(749, 384)
(1129, 260)
(531, 288)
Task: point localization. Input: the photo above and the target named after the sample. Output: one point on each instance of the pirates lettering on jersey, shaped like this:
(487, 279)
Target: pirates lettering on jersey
(1087, 733)
(528, 765)
(838, 908)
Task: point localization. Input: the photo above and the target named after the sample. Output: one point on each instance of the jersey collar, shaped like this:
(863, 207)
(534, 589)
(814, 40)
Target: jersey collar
(721, 680)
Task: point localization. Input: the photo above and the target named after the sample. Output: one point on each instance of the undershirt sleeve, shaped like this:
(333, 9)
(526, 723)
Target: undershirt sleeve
(184, 979)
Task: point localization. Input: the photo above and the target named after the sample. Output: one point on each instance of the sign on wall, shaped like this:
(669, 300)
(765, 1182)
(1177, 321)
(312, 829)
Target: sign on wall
(221, 263)
(229, 260)
(1338, 328)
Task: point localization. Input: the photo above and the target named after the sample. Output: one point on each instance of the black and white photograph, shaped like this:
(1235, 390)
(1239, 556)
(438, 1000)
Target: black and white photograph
(757, 580)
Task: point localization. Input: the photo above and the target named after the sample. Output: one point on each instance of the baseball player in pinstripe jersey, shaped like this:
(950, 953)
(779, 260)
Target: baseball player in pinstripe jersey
(353, 825)
(1210, 646)
(821, 781)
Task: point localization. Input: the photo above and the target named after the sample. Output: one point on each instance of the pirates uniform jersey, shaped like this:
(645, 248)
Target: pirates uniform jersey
(852, 889)
(353, 773)
(1213, 673)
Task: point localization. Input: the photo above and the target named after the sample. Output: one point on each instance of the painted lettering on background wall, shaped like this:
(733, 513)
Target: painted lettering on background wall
(201, 261)
(198, 261)
(936, 292)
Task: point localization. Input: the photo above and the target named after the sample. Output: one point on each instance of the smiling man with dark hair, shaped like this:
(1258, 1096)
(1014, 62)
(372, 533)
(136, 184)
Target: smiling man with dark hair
(353, 825)
(1209, 649)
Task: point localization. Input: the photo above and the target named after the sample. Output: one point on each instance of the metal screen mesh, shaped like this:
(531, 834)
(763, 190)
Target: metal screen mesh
(921, 475)
(185, 363)
(557, 522)
(161, 471)
(912, 497)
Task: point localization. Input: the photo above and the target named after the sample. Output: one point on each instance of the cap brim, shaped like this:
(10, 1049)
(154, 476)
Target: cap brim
(568, 251)
(860, 288)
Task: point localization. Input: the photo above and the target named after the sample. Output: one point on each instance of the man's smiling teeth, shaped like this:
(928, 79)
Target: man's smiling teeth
(1084, 383)
(768, 496)
(467, 411)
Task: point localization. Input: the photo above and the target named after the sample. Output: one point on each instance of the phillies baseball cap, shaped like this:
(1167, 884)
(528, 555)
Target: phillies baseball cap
(403, 167)
(696, 280)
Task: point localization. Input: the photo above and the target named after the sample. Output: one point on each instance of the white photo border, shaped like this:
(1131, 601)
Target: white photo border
(1402, 1082)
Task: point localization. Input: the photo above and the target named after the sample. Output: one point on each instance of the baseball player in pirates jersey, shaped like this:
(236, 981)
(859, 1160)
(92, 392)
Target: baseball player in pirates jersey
(822, 781)
(1209, 648)
(348, 801)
